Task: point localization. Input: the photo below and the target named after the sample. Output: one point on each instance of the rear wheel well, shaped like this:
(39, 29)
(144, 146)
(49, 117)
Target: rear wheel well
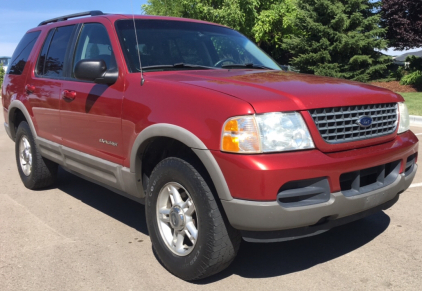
(159, 148)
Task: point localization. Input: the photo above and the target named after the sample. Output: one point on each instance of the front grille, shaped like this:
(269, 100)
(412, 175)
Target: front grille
(339, 124)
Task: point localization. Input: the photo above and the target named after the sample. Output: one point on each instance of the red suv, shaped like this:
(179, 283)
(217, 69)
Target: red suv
(194, 120)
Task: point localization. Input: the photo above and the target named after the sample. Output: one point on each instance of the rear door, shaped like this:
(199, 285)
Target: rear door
(44, 83)
(90, 114)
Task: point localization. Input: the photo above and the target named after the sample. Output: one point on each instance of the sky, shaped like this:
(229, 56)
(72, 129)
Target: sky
(18, 16)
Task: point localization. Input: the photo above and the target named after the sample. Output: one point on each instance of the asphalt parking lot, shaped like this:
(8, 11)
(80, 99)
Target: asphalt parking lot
(80, 236)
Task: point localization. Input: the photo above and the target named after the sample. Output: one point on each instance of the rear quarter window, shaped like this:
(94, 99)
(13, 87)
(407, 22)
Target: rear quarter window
(51, 60)
(22, 52)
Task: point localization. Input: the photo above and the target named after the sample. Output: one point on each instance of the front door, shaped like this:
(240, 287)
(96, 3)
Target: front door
(90, 114)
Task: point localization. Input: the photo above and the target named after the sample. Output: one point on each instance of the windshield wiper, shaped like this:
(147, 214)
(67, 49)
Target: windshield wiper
(177, 66)
(247, 65)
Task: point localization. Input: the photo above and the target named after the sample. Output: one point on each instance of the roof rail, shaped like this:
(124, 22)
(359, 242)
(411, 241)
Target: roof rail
(66, 17)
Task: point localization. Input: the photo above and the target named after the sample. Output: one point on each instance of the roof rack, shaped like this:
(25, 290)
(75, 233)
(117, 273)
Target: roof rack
(66, 17)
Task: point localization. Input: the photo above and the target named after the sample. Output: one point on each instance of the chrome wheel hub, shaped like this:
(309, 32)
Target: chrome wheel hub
(176, 218)
(25, 156)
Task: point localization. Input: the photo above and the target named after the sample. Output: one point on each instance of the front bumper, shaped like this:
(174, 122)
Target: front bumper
(260, 177)
(301, 232)
(257, 181)
(270, 216)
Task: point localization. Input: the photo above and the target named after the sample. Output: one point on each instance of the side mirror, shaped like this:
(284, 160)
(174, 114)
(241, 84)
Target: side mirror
(95, 70)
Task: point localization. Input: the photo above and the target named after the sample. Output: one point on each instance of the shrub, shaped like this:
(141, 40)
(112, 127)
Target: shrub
(414, 79)
(415, 63)
(398, 73)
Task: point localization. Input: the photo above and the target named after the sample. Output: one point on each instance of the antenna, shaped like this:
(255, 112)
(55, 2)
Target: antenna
(137, 46)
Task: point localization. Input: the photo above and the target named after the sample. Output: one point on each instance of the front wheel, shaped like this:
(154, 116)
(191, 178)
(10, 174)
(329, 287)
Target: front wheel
(187, 230)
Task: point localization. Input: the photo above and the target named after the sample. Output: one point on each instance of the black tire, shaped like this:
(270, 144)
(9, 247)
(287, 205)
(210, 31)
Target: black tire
(217, 242)
(43, 172)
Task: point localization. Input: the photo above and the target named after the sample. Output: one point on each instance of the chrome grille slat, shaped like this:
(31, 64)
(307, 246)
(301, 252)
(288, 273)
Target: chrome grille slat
(352, 125)
(339, 124)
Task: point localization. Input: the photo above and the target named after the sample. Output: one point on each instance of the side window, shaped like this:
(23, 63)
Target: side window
(94, 43)
(41, 59)
(51, 59)
(21, 54)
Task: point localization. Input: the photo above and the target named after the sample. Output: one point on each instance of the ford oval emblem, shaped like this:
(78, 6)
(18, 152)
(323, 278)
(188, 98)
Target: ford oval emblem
(364, 121)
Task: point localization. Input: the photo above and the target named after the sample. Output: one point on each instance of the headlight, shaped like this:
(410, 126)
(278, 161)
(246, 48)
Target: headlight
(283, 132)
(404, 122)
(270, 132)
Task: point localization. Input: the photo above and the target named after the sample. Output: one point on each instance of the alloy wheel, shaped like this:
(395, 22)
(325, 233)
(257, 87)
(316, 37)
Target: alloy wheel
(177, 219)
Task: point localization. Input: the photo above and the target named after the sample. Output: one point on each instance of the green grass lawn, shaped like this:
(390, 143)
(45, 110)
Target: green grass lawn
(413, 102)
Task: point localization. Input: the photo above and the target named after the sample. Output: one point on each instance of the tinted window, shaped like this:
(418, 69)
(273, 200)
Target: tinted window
(94, 43)
(54, 57)
(41, 59)
(22, 51)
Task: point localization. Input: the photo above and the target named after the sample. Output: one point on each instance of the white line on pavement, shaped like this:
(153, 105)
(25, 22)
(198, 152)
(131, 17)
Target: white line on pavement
(416, 185)
(419, 134)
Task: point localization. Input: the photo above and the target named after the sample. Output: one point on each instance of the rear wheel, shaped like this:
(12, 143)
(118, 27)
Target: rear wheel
(188, 232)
(35, 171)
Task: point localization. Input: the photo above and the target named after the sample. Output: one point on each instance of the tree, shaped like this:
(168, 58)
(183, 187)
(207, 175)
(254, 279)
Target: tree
(163, 8)
(1, 76)
(403, 18)
(267, 22)
(339, 39)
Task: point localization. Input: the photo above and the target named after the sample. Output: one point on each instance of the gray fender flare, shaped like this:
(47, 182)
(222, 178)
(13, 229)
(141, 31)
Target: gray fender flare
(17, 104)
(192, 141)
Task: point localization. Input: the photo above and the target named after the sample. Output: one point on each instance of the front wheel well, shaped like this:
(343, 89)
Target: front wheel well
(159, 148)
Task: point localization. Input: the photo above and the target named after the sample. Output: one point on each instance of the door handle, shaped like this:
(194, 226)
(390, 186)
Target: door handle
(68, 96)
(29, 88)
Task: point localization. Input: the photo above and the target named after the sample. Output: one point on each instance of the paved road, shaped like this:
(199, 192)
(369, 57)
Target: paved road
(80, 236)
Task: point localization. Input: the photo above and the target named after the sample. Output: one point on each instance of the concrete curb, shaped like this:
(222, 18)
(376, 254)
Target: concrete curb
(415, 120)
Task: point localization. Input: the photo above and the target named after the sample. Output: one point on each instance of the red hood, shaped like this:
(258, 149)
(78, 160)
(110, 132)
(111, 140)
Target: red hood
(269, 91)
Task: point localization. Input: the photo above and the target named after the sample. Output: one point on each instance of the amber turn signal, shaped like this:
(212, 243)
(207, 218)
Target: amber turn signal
(240, 135)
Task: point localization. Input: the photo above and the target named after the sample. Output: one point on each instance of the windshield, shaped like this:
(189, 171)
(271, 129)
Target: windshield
(4, 61)
(179, 45)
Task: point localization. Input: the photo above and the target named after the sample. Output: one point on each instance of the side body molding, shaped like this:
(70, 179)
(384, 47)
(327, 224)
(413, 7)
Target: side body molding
(107, 174)
(189, 139)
